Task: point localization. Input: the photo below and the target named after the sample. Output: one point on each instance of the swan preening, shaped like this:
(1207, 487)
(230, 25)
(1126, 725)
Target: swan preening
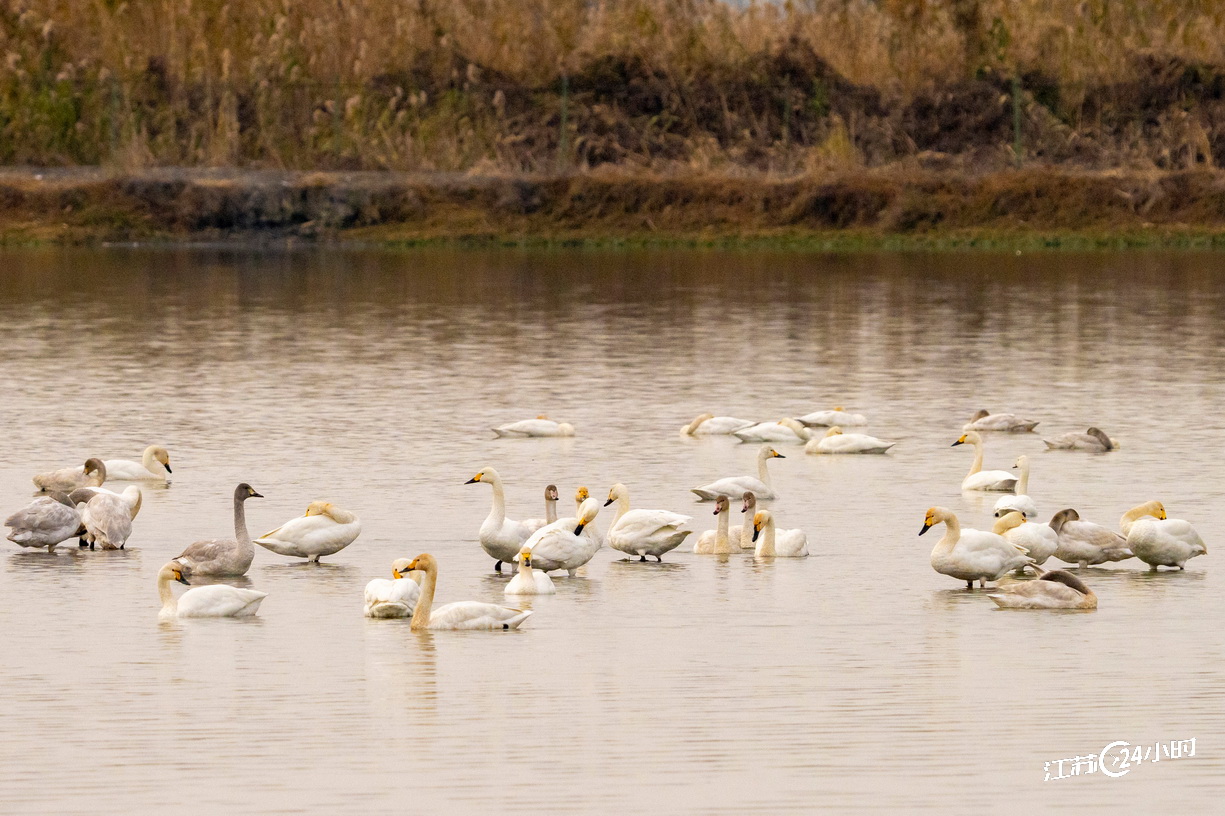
(643, 532)
(711, 425)
(983, 420)
(459, 615)
(215, 601)
(977, 478)
(224, 556)
(971, 555)
(1056, 589)
(540, 426)
(1160, 541)
(44, 522)
(1021, 502)
(1085, 543)
(835, 441)
(324, 530)
(394, 598)
(529, 581)
(777, 543)
(1094, 440)
(738, 485)
(106, 516)
(91, 474)
(565, 544)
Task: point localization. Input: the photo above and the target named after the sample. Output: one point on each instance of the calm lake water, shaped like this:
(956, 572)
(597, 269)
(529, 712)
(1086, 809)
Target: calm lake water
(857, 679)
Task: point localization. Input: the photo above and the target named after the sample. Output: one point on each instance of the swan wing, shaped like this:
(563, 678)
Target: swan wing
(45, 521)
(219, 601)
(643, 523)
(477, 615)
(733, 486)
(722, 425)
(199, 552)
(126, 469)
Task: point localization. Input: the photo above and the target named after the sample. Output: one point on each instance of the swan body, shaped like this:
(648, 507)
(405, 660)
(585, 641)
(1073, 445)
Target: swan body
(540, 426)
(1056, 589)
(393, 598)
(91, 474)
(529, 581)
(785, 430)
(1038, 540)
(154, 465)
(1085, 543)
(772, 543)
(224, 556)
(738, 485)
(324, 530)
(716, 541)
(500, 537)
(711, 425)
(835, 441)
(44, 522)
(550, 512)
(835, 417)
(985, 421)
(107, 516)
(742, 534)
(977, 478)
(1021, 502)
(459, 615)
(562, 545)
(643, 532)
(1091, 440)
(1160, 541)
(215, 601)
(971, 555)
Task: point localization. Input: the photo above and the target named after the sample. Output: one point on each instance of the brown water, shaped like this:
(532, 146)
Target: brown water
(855, 679)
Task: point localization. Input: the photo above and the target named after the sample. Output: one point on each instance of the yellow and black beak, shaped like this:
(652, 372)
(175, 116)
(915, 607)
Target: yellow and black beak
(579, 529)
(610, 501)
(255, 494)
(167, 466)
(926, 527)
(474, 479)
(756, 532)
(178, 576)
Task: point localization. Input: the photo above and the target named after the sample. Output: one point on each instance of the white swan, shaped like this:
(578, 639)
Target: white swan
(1085, 543)
(590, 529)
(643, 532)
(1056, 589)
(971, 555)
(500, 537)
(742, 534)
(459, 615)
(44, 522)
(738, 485)
(777, 543)
(983, 420)
(394, 598)
(540, 426)
(1094, 440)
(1021, 502)
(550, 512)
(154, 465)
(1160, 541)
(224, 556)
(1038, 540)
(529, 581)
(835, 441)
(91, 474)
(977, 478)
(711, 425)
(215, 601)
(562, 545)
(717, 541)
(785, 430)
(107, 516)
(838, 416)
(324, 530)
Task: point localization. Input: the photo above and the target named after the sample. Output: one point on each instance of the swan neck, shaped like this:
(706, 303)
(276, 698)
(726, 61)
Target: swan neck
(763, 472)
(952, 534)
(766, 547)
(722, 544)
(1022, 488)
(623, 506)
(525, 571)
(342, 516)
(497, 514)
(550, 510)
(240, 525)
(425, 601)
(149, 462)
(978, 459)
(170, 606)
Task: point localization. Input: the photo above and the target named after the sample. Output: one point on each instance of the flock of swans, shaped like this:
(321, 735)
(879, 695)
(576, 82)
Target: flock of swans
(72, 503)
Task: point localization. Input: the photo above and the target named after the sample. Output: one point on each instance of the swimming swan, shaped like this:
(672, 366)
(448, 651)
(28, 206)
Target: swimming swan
(742, 534)
(215, 601)
(1085, 543)
(44, 522)
(107, 516)
(711, 425)
(986, 421)
(394, 598)
(224, 556)
(1091, 440)
(540, 426)
(529, 581)
(977, 478)
(835, 441)
(1160, 541)
(1056, 589)
(838, 416)
(772, 543)
(550, 512)
(717, 541)
(971, 555)
(92, 474)
(1039, 540)
(643, 532)
(562, 544)
(324, 530)
(459, 615)
(154, 465)
(785, 430)
(1021, 502)
(737, 485)
(500, 537)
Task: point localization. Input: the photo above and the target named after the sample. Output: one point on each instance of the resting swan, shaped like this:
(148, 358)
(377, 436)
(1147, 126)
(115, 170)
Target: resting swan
(459, 615)
(643, 532)
(838, 416)
(550, 512)
(529, 581)
(500, 537)
(215, 601)
(1093, 440)
(45, 522)
(394, 598)
(977, 478)
(1085, 543)
(711, 425)
(986, 421)
(1056, 589)
(154, 465)
(785, 430)
(224, 556)
(562, 545)
(736, 485)
(107, 516)
(835, 441)
(1021, 502)
(324, 530)
(971, 555)
(1038, 540)
(772, 543)
(91, 474)
(540, 426)
(717, 541)
(1160, 541)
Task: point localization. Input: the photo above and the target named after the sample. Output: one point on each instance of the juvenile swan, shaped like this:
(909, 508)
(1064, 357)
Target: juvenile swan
(324, 530)
(742, 534)
(1056, 589)
(1160, 541)
(1021, 502)
(550, 512)
(643, 532)
(107, 516)
(736, 485)
(459, 615)
(216, 601)
(44, 522)
(716, 542)
(985, 421)
(971, 555)
(529, 581)
(224, 556)
(1085, 543)
(711, 425)
(835, 441)
(92, 474)
(777, 543)
(394, 598)
(500, 537)
(1093, 440)
(977, 478)
(540, 426)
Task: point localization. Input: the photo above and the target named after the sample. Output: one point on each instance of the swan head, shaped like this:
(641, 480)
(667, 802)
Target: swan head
(319, 508)
(565, 429)
(616, 493)
(424, 562)
(524, 557)
(1062, 517)
(769, 453)
(1153, 508)
(550, 493)
(1008, 521)
(94, 465)
(62, 498)
(587, 512)
(934, 516)
(761, 520)
(721, 505)
(969, 437)
(245, 491)
(161, 455)
(692, 427)
(174, 571)
(839, 408)
(833, 431)
(582, 494)
(401, 567)
(1021, 462)
(486, 475)
(750, 502)
(1107, 442)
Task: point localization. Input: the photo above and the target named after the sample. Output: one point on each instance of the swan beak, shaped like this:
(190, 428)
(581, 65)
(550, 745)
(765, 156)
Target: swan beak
(579, 529)
(610, 501)
(717, 511)
(167, 466)
(955, 444)
(178, 576)
(473, 480)
(255, 495)
(756, 532)
(778, 455)
(926, 527)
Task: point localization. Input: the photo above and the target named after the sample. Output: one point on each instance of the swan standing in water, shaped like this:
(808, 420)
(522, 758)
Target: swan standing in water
(1056, 589)
(986, 421)
(785, 430)
(154, 465)
(461, 614)
(1085, 543)
(45, 522)
(711, 425)
(107, 516)
(737, 485)
(216, 601)
(1160, 541)
(224, 556)
(835, 441)
(742, 534)
(1021, 502)
(838, 416)
(324, 530)
(91, 474)
(500, 537)
(590, 530)
(529, 581)
(717, 541)
(540, 426)
(562, 544)
(1093, 440)
(777, 543)
(643, 532)
(971, 555)
(394, 598)
(550, 512)
(977, 478)
(1038, 540)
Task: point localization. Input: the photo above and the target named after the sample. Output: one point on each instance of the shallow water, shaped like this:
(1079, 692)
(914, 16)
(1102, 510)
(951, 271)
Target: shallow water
(854, 679)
